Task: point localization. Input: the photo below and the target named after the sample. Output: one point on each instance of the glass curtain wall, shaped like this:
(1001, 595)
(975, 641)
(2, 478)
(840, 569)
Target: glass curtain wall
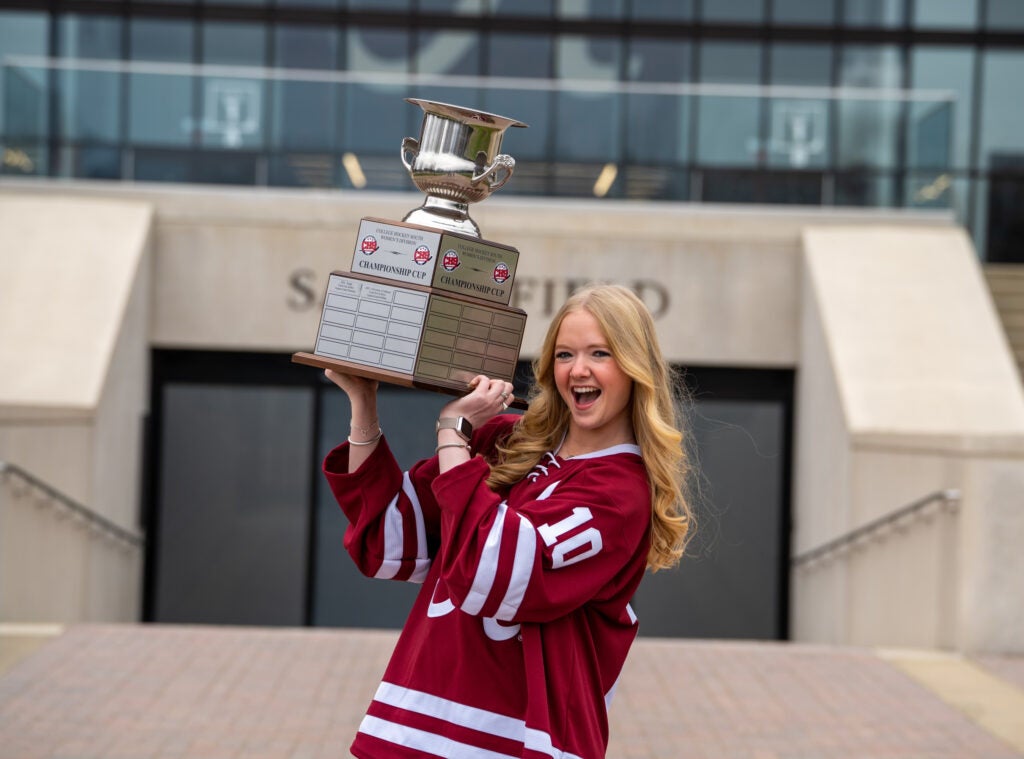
(870, 103)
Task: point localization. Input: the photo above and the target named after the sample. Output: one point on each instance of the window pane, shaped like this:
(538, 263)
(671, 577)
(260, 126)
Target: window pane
(869, 126)
(305, 113)
(945, 14)
(233, 107)
(798, 128)
(23, 89)
(655, 10)
(539, 8)
(588, 125)
(161, 103)
(590, 8)
(1005, 14)
(90, 100)
(455, 53)
(522, 55)
(658, 126)
(730, 11)
(453, 7)
(873, 12)
(803, 12)
(374, 117)
(1002, 118)
(310, 3)
(938, 131)
(727, 126)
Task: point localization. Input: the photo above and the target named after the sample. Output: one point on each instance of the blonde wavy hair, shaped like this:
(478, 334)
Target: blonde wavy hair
(656, 415)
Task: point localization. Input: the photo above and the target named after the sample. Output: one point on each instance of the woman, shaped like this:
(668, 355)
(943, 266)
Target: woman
(530, 535)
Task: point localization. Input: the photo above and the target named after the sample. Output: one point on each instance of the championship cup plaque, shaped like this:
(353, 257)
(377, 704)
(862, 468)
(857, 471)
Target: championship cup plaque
(426, 301)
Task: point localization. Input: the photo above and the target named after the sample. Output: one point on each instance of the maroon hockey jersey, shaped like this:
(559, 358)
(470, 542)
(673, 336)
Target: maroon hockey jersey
(516, 640)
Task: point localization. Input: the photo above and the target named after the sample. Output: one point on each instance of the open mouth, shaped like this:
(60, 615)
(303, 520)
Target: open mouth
(585, 396)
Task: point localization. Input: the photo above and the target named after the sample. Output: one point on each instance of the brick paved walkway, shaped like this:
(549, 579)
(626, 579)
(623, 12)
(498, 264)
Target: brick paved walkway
(154, 692)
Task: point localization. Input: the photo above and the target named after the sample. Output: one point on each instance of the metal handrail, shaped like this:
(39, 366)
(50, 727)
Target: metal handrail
(949, 496)
(90, 516)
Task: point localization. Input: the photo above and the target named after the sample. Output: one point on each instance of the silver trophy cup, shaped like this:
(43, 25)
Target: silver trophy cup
(426, 300)
(456, 162)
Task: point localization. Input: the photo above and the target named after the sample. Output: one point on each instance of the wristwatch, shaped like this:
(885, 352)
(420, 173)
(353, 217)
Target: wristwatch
(460, 424)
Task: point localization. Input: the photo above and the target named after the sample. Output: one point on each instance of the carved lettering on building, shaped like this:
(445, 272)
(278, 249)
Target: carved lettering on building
(540, 298)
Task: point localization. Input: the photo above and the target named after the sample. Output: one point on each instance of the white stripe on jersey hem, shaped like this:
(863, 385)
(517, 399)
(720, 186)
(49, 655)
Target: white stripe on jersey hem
(421, 740)
(462, 715)
(487, 566)
(450, 711)
(622, 448)
(541, 743)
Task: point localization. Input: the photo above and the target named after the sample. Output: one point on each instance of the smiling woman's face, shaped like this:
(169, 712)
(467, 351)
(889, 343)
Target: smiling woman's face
(592, 384)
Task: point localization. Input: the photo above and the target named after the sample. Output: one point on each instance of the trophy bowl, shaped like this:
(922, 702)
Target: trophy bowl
(456, 162)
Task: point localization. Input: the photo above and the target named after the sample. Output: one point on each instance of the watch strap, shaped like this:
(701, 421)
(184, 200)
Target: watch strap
(460, 424)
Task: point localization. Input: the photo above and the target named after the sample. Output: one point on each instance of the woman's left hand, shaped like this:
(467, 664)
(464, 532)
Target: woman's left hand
(487, 398)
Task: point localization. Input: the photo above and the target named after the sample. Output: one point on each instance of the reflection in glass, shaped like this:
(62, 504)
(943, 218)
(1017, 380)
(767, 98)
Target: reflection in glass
(530, 56)
(731, 11)
(938, 133)
(453, 7)
(375, 117)
(1003, 15)
(588, 121)
(945, 14)
(23, 90)
(589, 8)
(656, 10)
(539, 8)
(90, 100)
(869, 125)
(161, 103)
(803, 12)
(1002, 118)
(799, 128)
(658, 126)
(886, 13)
(936, 190)
(233, 107)
(728, 124)
(453, 53)
(304, 114)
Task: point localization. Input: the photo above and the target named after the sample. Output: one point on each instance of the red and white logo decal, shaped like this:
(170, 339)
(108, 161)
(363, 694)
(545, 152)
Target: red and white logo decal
(368, 245)
(421, 255)
(451, 260)
(501, 274)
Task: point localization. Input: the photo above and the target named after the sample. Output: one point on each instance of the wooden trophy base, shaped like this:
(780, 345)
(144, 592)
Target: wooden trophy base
(414, 336)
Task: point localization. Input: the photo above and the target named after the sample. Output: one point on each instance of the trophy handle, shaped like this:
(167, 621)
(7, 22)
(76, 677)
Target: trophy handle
(498, 172)
(410, 145)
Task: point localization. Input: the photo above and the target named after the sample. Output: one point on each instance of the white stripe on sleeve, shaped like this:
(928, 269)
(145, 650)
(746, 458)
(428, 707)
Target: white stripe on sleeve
(394, 536)
(522, 570)
(487, 567)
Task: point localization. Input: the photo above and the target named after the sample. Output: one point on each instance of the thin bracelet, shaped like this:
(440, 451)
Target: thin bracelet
(451, 445)
(371, 441)
(365, 430)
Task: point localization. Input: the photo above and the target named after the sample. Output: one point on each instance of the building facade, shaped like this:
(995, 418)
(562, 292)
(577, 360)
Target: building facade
(865, 103)
(651, 125)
